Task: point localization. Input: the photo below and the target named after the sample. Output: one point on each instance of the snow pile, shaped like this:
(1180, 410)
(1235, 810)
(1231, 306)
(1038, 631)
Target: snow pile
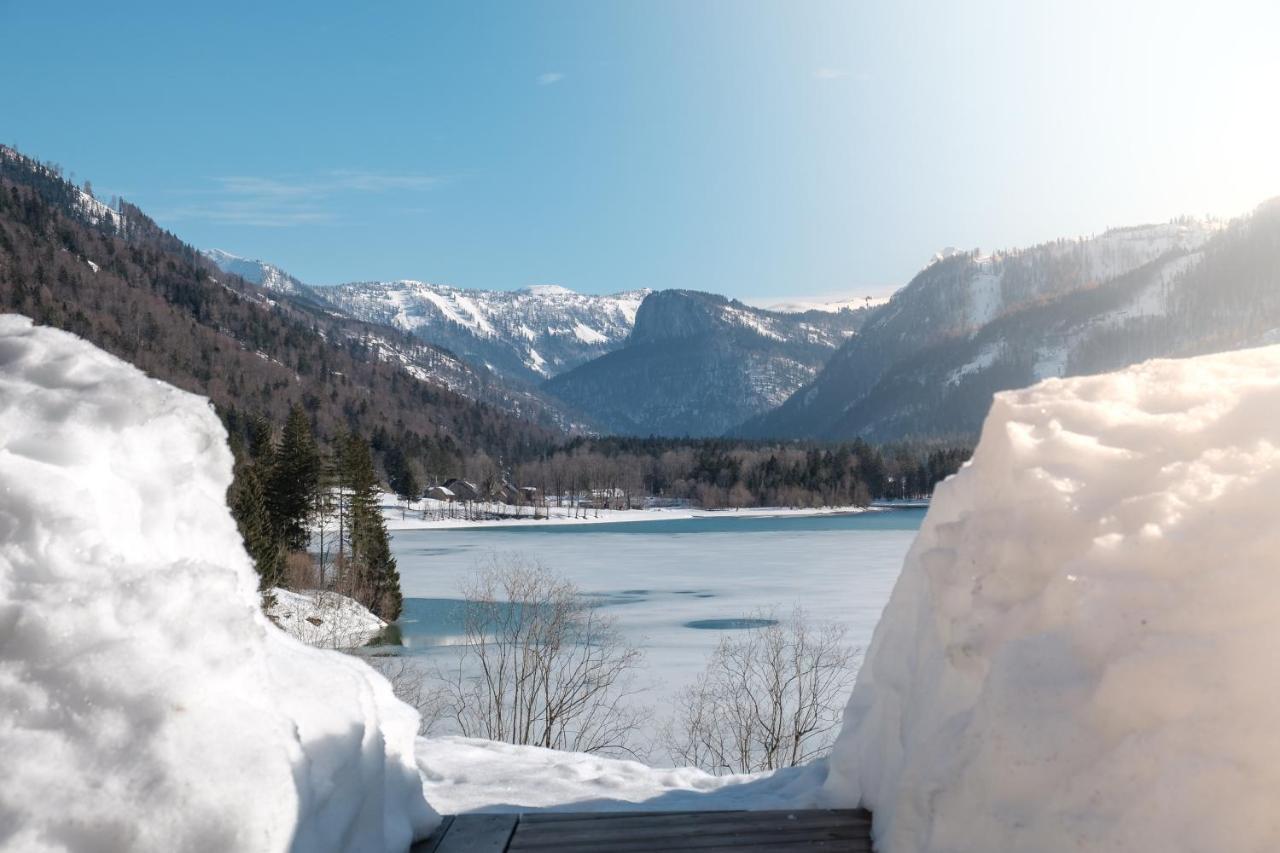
(324, 619)
(145, 701)
(463, 775)
(1079, 652)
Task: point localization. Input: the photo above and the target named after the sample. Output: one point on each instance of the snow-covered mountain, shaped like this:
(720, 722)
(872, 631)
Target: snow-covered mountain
(396, 344)
(697, 364)
(971, 324)
(530, 334)
(267, 276)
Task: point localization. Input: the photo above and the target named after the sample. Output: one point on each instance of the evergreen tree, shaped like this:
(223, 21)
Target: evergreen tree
(295, 477)
(249, 506)
(261, 447)
(373, 570)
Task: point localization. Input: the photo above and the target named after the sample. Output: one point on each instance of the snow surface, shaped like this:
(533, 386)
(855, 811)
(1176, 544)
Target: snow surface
(817, 303)
(1078, 653)
(324, 619)
(147, 702)
(466, 775)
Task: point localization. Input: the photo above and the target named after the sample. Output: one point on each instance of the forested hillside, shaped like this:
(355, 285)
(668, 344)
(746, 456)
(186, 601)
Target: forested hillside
(115, 278)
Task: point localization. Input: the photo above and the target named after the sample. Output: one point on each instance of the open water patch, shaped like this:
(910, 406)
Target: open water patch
(740, 624)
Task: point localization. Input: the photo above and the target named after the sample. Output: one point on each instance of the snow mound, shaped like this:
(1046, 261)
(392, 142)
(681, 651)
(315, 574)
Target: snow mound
(1078, 653)
(324, 619)
(145, 701)
(467, 775)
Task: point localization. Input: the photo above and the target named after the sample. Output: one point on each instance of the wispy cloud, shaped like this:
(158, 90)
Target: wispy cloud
(550, 78)
(284, 202)
(829, 74)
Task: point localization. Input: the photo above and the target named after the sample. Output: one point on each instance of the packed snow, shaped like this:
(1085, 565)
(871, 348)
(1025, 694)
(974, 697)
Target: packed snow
(1077, 655)
(324, 619)
(148, 702)
(468, 775)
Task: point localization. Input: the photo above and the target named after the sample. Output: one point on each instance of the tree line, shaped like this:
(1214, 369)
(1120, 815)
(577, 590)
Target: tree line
(621, 472)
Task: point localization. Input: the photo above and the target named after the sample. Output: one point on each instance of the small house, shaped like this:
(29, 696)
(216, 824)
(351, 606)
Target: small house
(463, 490)
(507, 494)
(440, 493)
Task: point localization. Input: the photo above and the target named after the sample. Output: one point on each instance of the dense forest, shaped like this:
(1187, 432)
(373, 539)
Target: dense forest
(116, 279)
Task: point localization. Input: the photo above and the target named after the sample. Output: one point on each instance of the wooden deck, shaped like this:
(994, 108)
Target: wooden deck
(843, 830)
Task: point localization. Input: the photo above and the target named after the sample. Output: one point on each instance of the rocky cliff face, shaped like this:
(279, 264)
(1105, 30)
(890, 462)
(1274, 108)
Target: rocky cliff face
(697, 364)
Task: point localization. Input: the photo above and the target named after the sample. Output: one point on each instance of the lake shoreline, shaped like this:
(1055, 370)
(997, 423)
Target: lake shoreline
(392, 512)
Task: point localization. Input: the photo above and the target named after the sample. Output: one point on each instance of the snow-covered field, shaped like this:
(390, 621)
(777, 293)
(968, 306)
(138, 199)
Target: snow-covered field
(1080, 652)
(146, 703)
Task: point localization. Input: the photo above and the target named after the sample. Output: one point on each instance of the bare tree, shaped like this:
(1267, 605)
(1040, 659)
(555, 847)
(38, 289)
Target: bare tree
(541, 666)
(770, 697)
(409, 683)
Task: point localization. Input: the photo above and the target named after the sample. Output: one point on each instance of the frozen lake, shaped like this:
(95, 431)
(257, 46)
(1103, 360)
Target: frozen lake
(673, 585)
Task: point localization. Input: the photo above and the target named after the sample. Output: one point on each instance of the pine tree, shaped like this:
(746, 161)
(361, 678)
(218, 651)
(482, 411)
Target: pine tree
(249, 506)
(295, 477)
(373, 571)
(261, 447)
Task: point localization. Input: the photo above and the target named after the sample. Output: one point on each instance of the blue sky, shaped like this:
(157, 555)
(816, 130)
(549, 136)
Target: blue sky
(762, 150)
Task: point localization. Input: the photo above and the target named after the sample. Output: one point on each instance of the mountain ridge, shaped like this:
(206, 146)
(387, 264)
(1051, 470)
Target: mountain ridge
(982, 324)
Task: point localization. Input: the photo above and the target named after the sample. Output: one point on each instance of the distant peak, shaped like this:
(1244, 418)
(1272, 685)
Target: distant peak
(548, 290)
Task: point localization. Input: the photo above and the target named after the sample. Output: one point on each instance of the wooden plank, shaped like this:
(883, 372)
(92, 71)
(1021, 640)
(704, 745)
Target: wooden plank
(478, 833)
(562, 817)
(431, 843)
(836, 830)
(801, 847)
(848, 838)
(622, 819)
(682, 830)
(660, 824)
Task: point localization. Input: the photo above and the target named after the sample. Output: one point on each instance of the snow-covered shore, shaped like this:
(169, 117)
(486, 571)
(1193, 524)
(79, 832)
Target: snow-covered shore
(324, 619)
(398, 518)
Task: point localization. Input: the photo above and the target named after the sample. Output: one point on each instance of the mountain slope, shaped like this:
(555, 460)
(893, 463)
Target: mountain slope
(267, 276)
(116, 279)
(966, 327)
(425, 361)
(527, 334)
(697, 364)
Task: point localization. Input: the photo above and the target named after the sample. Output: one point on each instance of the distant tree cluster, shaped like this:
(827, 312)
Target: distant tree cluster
(288, 491)
(720, 473)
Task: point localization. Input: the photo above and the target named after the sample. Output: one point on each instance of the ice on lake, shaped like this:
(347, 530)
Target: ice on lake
(673, 586)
